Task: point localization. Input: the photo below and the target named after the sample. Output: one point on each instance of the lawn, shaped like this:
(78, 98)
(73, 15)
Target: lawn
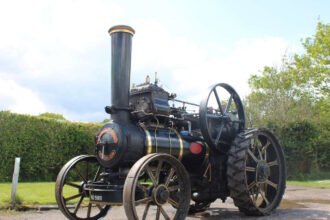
(29, 193)
(44, 193)
(324, 184)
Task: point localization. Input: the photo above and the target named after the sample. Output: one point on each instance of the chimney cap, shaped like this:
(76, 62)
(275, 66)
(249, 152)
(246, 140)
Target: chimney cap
(121, 28)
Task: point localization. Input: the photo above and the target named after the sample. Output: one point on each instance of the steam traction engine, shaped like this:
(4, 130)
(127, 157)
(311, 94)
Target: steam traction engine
(162, 161)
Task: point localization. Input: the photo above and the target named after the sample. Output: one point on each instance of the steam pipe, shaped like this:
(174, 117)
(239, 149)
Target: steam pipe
(121, 51)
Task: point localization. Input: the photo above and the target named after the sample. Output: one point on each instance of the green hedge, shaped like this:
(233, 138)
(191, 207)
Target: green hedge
(307, 148)
(44, 145)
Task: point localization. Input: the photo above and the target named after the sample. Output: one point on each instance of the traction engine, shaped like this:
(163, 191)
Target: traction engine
(162, 160)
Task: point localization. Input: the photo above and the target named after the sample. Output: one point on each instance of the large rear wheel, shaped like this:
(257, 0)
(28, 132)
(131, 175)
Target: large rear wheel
(256, 172)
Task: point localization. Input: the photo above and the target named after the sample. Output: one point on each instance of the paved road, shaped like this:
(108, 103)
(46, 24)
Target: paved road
(299, 203)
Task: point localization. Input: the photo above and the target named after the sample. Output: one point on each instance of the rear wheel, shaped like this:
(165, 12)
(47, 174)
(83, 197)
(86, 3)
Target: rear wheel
(256, 172)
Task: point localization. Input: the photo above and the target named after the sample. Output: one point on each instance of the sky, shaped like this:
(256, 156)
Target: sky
(55, 55)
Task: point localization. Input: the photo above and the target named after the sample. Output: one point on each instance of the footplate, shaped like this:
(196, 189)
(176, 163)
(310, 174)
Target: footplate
(105, 193)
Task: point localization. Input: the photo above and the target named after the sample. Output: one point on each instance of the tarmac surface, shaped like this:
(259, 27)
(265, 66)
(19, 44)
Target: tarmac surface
(298, 203)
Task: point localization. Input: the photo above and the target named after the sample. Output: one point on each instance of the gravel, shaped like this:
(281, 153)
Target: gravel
(298, 203)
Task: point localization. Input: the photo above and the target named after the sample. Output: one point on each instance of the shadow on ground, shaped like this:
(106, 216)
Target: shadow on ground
(296, 213)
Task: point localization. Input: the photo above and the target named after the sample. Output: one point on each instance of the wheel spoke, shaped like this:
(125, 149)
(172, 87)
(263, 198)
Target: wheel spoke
(164, 213)
(173, 202)
(81, 176)
(145, 213)
(158, 213)
(89, 210)
(170, 175)
(263, 195)
(219, 134)
(151, 175)
(252, 184)
(252, 156)
(260, 154)
(250, 169)
(273, 163)
(78, 205)
(229, 103)
(159, 168)
(144, 200)
(264, 150)
(218, 101)
(87, 167)
(274, 185)
(74, 196)
(144, 188)
(97, 174)
(73, 185)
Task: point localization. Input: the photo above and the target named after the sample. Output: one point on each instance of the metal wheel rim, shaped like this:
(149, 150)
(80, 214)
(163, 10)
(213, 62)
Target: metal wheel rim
(204, 117)
(176, 180)
(62, 199)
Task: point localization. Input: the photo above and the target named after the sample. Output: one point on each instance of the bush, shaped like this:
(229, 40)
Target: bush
(44, 145)
(306, 148)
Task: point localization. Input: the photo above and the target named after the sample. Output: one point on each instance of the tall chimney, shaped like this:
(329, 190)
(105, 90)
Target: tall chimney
(121, 51)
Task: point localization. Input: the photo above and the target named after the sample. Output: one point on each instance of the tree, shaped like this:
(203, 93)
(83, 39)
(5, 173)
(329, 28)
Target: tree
(295, 97)
(299, 88)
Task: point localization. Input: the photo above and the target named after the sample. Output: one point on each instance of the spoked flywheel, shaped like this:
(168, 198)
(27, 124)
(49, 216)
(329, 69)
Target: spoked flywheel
(221, 115)
(157, 187)
(256, 172)
(71, 196)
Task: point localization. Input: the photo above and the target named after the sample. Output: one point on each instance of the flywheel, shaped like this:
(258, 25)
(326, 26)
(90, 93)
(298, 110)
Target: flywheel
(221, 116)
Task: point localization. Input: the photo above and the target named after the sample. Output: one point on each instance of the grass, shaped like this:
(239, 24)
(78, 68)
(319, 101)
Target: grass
(29, 193)
(43, 193)
(324, 184)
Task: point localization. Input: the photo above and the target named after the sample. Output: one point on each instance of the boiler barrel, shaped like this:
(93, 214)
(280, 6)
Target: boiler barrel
(192, 153)
(124, 144)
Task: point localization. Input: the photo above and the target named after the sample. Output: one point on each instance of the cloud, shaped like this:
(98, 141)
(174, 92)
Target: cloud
(59, 51)
(188, 68)
(19, 99)
(58, 55)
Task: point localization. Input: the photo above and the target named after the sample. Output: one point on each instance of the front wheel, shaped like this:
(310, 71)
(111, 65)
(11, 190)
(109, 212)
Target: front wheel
(157, 187)
(71, 196)
(256, 172)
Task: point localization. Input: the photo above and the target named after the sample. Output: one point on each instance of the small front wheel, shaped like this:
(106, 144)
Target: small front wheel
(72, 199)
